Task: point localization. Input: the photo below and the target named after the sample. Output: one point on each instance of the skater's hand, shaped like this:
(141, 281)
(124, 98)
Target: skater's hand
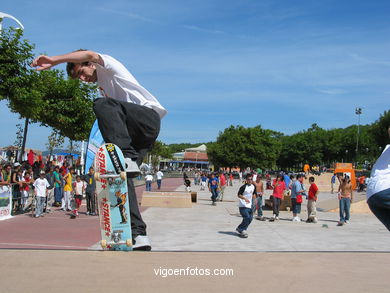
(43, 62)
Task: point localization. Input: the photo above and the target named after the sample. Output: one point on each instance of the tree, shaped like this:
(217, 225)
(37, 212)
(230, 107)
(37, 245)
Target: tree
(160, 150)
(55, 140)
(44, 97)
(379, 130)
(244, 147)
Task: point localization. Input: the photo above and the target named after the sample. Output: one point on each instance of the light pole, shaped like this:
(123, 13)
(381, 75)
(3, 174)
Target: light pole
(2, 16)
(358, 111)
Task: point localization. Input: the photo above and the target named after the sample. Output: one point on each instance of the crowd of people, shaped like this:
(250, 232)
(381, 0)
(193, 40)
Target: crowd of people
(284, 187)
(43, 186)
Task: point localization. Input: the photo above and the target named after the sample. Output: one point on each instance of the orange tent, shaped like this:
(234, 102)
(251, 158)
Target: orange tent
(346, 168)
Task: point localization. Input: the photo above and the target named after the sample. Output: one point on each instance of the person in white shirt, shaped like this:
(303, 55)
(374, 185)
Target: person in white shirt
(246, 194)
(148, 182)
(159, 176)
(41, 186)
(79, 189)
(378, 188)
(128, 115)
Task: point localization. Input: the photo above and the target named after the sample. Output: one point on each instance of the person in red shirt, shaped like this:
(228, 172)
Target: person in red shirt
(279, 187)
(311, 202)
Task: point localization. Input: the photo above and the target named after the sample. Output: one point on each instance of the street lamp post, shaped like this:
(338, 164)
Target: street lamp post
(358, 111)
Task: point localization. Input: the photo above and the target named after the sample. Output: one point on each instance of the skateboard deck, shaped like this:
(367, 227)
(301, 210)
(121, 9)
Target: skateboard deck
(112, 198)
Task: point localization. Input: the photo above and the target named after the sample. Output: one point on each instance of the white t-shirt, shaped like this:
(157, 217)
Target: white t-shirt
(380, 174)
(40, 186)
(148, 177)
(116, 82)
(79, 187)
(247, 191)
(159, 175)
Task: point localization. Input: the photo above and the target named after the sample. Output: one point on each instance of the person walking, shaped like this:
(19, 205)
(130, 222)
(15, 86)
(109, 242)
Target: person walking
(159, 176)
(148, 182)
(222, 185)
(50, 193)
(213, 185)
(246, 194)
(79, 189)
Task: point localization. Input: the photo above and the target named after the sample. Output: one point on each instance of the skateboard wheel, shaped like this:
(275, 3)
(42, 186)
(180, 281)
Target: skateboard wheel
(129, 242)
(123, 175)
(97, 176)
(103, 243)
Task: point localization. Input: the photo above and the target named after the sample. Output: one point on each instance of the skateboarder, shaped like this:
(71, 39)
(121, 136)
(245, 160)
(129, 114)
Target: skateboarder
(128, 116)
(121, 200)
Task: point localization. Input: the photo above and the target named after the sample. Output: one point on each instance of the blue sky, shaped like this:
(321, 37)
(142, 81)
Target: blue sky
(281, 64)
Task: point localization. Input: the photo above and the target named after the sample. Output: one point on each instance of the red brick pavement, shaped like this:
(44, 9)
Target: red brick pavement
(57, 230)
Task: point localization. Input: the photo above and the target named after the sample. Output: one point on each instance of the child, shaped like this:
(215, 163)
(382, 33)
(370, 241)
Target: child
(311, 203)
(246, 193)
(79, 188)
(40, 192)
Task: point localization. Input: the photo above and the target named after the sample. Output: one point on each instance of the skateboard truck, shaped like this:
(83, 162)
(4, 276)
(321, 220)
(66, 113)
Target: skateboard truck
(116, 238)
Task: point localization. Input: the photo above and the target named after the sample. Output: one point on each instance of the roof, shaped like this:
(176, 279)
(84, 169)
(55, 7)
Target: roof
(201, 148)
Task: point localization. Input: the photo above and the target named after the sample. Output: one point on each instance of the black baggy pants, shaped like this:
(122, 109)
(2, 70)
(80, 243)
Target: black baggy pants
(134, 129)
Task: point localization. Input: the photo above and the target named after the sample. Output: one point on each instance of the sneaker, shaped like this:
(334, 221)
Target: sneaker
(314, 220)
(141, 242)
(260, 218)
(36, 216)
(77, 213)
(131, 167)
(296, 219)
(277, 218)
(346, 222)
(340, 223)
(244, 234)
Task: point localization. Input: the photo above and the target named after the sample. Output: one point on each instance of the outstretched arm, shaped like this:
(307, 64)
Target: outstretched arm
(43, 62)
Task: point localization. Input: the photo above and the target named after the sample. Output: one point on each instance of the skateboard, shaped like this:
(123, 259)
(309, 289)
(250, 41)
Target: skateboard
(112, 198)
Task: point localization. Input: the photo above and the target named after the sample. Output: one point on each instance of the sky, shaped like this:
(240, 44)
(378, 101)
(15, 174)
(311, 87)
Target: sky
(280, 64)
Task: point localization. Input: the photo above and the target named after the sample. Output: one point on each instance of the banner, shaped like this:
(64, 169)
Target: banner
(5, 202)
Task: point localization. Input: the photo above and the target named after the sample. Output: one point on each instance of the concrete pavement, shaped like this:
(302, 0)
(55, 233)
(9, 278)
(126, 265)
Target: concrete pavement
(212, 228)
(188, 243)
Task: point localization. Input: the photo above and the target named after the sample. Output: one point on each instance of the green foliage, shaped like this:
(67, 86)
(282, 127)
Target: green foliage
(245, 147)
(160, 151)
(45, 97)
(379, 129)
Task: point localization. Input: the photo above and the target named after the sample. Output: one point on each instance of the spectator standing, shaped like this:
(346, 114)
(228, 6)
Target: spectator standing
(159, 176)
(345, 196)
(68, 188)
(57, 187)
(297, 191)
(148, 182)
(333, 183)
(279, 187)
(50, 193)
(222, 184)
(79, 189)
(259, 197)
(40, 192)
(25, 187)
(90, 192)
(16, 177)
(246, 194)
(311, 203)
